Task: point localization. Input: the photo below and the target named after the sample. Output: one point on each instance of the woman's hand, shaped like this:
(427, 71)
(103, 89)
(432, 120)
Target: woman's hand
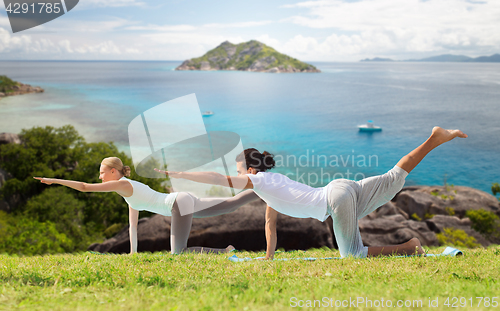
(44, 180)
(170, 174)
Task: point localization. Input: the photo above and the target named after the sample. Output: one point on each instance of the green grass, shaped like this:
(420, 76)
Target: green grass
(211, 282)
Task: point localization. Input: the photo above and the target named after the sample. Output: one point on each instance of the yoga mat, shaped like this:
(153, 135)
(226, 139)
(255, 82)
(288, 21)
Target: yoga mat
(449, 251)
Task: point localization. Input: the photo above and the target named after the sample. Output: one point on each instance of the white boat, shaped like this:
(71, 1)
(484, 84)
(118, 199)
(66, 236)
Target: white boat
(207, 113)
(369, 127)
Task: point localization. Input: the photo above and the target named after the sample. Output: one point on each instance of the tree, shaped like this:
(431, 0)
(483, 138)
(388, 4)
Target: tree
(72, 219)
(495, 188)
(47, 152)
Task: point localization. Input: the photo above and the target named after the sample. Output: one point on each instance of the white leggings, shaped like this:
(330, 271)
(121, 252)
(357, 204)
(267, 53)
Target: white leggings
(193, 207)
(349, 201)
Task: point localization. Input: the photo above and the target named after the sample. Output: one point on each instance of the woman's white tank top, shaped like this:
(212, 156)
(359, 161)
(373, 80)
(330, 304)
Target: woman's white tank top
(144, 198)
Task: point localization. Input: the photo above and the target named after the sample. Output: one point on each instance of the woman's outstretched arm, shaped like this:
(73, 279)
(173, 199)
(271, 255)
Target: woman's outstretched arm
(133, 219)
(212, 178)
(122, 187)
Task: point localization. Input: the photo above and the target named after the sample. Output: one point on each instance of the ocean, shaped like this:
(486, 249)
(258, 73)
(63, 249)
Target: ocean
(307, 120)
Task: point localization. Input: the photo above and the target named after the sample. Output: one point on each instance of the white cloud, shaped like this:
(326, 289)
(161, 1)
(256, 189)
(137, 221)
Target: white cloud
(187, 45)
(326, 30)
(164, 28)
(366, 14)
(266, 39)
(108, 3)
(390, 27)
(103, 26)
(8, 43)
(22, 46)
(237, 25)
(103, 48)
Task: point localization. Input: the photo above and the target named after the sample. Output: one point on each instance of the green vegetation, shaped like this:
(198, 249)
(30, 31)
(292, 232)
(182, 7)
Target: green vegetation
(448, 188)
(495, 188)
(162, 281)
(429, 215)
(450, 211)
(53, 219)
(7, 84)
(485, 222)
(414, 216)
(246, 54)
(456, 237)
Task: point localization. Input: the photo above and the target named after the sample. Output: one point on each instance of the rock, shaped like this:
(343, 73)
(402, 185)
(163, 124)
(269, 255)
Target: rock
(9, 138)
(438, 200)
(394, 229)
(387, 209)
(205, 66)
(244, 229)
(439, 222)
(21, 89)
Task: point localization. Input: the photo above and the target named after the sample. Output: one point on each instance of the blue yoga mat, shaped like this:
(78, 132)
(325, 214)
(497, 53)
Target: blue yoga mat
(449, 251)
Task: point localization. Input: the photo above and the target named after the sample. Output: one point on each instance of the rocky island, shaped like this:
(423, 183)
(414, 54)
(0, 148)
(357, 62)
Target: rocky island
(248, 56)
(9, 87)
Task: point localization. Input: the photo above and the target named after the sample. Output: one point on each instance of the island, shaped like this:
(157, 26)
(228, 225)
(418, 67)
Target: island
(248, 56)
(9, 87)
(445, 58)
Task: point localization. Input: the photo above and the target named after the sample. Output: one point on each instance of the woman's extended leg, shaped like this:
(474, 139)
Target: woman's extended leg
(204, 207)
(438, 137)
(412, 247)
(408, 163)
(352, 201)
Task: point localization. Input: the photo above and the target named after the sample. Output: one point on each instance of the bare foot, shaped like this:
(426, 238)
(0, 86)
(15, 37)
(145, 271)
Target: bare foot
(229, 248)
(417, 246)
(441, 135)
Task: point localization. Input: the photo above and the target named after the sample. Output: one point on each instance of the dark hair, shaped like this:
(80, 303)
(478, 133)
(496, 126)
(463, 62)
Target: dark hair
(259, 161)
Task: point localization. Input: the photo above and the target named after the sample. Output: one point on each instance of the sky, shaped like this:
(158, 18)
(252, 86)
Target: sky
(323, 30)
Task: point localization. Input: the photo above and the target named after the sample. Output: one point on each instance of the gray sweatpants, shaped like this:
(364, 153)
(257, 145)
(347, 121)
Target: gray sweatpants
(200, 208)
(349, 201)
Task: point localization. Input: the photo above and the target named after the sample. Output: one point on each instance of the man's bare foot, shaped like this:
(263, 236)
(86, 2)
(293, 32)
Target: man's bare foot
(415, 245)
(230, 248)
(441, 135)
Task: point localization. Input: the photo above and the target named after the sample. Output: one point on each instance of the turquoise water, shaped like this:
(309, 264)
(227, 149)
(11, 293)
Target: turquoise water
(309, 121)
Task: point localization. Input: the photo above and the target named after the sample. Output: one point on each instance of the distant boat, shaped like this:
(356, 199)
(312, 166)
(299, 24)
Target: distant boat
(207, 113)
(369, 127)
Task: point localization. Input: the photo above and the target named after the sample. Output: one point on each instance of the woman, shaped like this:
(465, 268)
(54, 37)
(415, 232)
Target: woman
(345, 200)
(142, 198)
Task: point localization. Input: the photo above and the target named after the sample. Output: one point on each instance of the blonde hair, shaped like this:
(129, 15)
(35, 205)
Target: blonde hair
(117, 164)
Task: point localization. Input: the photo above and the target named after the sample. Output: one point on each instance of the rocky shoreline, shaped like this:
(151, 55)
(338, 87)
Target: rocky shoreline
(21, 89)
